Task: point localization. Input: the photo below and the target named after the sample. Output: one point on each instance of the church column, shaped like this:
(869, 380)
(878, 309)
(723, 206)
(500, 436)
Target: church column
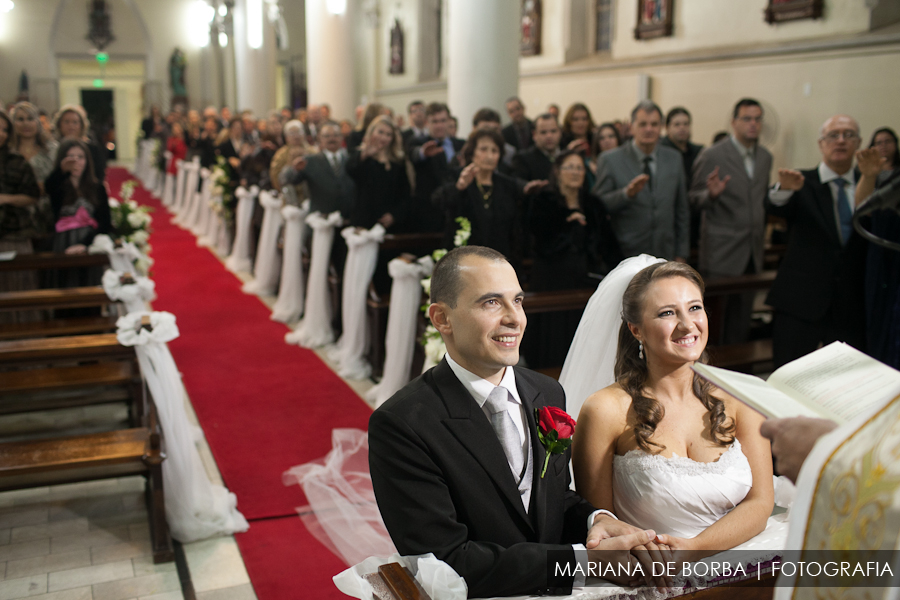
(329, 56)
(254, 58)
(482, 57)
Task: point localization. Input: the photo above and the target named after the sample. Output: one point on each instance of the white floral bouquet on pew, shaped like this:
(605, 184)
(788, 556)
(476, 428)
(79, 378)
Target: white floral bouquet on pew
(221, 199)
(431, 339)
(130, 220)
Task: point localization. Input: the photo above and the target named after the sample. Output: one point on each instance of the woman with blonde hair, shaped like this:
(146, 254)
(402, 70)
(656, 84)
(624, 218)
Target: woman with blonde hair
(72, 124)
(379, 170)
(37, 147)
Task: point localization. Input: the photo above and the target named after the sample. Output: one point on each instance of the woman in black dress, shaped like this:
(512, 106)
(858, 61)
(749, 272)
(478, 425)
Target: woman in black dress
(379, 171)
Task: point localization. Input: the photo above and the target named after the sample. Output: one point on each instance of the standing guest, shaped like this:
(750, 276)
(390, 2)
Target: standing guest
(432, 157)
(314, 118)
(417, 122)
(879, 166)
(379, 171)
(729, 187)
(818, 294)
(572, 238)
(46, 123)
(80, 204)
(578, 130)
(606, 138)
(206, 145)
(295, 147)
(488, 118)
(519, 132)
(30, 140)
(346, 130)
(373, 110)
(230, 141)
(643, 188)
(249, 124)
(210, 111)
(325, 173)
(226, 116)
(453, 127)
(177, 146)
(19, 192)
(491, 201)
(553, 109)
(678, 136)
(537, 161)
(325, 111)
(286, 115)
(148, 125)
(72, 124)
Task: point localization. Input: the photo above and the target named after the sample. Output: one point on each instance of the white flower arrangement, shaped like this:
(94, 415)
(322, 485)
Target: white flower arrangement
(130, 220)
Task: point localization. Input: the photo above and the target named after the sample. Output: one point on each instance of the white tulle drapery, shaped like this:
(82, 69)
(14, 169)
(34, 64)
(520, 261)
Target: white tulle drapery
(344, 515)
(241, 251)
(134, 296)
(201, 223)
(223, 238)
(592, 356)
(314, 330)
(158, 190)
(142, 165)
(180, 176)
(168, 197)
(126, 258)
(362, 256)
(210, 236)
(400, 338)
(195, 508)
(189, 193)
(268, 263)
(289, 305)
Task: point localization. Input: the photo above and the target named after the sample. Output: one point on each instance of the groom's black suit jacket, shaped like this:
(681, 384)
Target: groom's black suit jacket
(443, 485)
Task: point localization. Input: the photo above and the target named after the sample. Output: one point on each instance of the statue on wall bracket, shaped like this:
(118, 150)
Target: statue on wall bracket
(99, 28)
(397, 49)
(530, 44)
(177, 66)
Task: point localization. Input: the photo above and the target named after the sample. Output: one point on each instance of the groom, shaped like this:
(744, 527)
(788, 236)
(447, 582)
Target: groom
(455, 458)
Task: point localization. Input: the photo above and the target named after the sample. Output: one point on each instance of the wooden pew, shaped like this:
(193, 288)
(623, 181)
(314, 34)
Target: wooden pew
(50, 260)
(77, 297)
(75, 349)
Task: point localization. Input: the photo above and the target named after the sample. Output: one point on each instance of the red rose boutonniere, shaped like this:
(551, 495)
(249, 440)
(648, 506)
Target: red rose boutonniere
(555, 430)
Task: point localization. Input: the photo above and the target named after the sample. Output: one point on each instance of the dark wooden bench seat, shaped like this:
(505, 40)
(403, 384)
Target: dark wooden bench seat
(49, 260)
(77, 297)
(742, 357)
(57, 327)
(59, 350)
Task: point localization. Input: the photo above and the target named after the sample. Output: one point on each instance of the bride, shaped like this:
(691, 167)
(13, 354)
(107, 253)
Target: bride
(660, 447)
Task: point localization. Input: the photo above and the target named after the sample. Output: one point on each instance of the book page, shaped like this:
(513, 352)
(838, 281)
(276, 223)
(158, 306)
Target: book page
(758, 394)
(840, 379)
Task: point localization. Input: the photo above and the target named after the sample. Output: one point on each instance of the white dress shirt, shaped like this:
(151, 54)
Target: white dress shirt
(780, 197)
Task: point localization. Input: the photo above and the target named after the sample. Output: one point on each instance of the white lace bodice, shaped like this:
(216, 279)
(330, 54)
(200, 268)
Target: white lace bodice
(678, 496)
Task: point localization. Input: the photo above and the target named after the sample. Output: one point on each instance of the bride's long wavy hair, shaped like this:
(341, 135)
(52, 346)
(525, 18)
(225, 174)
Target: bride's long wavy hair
(631, 370)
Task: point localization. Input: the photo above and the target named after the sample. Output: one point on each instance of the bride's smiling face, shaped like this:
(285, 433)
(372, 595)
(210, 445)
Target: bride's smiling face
(673, 327)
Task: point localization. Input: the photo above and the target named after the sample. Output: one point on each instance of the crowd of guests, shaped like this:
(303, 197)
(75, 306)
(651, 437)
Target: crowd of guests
(564, 198)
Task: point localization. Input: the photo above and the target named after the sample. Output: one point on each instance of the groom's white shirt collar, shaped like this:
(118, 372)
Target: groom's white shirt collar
(480, 389)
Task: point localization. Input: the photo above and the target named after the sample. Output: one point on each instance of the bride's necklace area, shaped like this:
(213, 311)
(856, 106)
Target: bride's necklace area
(485, 193)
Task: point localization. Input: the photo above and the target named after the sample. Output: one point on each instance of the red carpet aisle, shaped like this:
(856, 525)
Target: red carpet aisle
(264, 406)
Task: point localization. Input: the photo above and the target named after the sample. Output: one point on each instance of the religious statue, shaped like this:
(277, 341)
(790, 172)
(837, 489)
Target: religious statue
(177, 65)
(396, 49)
(530, 43)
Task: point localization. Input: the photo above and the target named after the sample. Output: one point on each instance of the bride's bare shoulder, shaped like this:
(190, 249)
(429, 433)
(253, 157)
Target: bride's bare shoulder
(608, 403)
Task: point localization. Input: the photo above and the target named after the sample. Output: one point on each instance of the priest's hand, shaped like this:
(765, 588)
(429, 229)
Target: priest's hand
(792, 440)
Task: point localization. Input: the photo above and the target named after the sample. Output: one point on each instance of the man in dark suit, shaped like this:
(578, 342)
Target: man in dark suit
(730, 184)
(435, 162)
(642, 185)
(537, 161)
(325, 174)
(818, 293)
(417, 122)
(455, 458)
(519, 132)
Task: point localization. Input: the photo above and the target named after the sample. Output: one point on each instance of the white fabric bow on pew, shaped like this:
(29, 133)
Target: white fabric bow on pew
(135, 295)
(315, 328)
(203, 209)
(289, 305)
(239, 260)
(168, 198)
(400, 338)
(126, 258)
(268, 263)
(188, 193)
(195, 508)
(362, 256)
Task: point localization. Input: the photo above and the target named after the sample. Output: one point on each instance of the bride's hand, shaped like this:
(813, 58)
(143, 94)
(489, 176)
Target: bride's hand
(606, 527)
(683, 547)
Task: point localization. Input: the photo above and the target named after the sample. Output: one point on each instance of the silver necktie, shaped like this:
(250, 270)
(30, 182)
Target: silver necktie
(498, 403)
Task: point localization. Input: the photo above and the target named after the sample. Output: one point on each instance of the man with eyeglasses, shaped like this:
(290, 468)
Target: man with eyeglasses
(818, 293)
(729, 186)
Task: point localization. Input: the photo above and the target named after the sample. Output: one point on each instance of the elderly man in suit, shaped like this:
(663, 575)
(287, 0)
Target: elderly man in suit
(818, 293)
(729, 188)
(518, 133)
(434, 158)
(455, 458)
(325, 174)
(642, 185)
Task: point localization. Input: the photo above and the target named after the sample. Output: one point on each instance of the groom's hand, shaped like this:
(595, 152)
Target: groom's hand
(605, 527)
(617, 550)
(608, 528)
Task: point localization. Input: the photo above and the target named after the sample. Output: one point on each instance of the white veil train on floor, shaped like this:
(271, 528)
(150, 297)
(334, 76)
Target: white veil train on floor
(592, 355)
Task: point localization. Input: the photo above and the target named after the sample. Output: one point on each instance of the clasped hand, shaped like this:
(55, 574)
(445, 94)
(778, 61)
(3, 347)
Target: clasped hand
(611, 540)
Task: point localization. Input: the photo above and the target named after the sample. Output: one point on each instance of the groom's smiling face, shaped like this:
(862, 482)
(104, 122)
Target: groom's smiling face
(483, 331)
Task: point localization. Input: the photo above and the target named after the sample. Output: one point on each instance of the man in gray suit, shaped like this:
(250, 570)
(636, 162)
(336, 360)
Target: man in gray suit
(325, 174)
(642, 184)
(729, 187)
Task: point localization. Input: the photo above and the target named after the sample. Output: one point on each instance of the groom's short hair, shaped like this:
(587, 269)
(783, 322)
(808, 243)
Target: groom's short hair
(446, 283)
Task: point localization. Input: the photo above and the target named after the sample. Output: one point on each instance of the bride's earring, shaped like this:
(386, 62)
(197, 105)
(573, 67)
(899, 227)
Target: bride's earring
(641, 350)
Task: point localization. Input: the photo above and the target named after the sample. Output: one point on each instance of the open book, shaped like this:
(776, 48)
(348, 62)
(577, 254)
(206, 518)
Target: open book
(837, 382)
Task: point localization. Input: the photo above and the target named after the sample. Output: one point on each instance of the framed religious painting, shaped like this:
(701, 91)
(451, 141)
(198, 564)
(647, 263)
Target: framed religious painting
(530, 44)
(654, 19)
(778, 11)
